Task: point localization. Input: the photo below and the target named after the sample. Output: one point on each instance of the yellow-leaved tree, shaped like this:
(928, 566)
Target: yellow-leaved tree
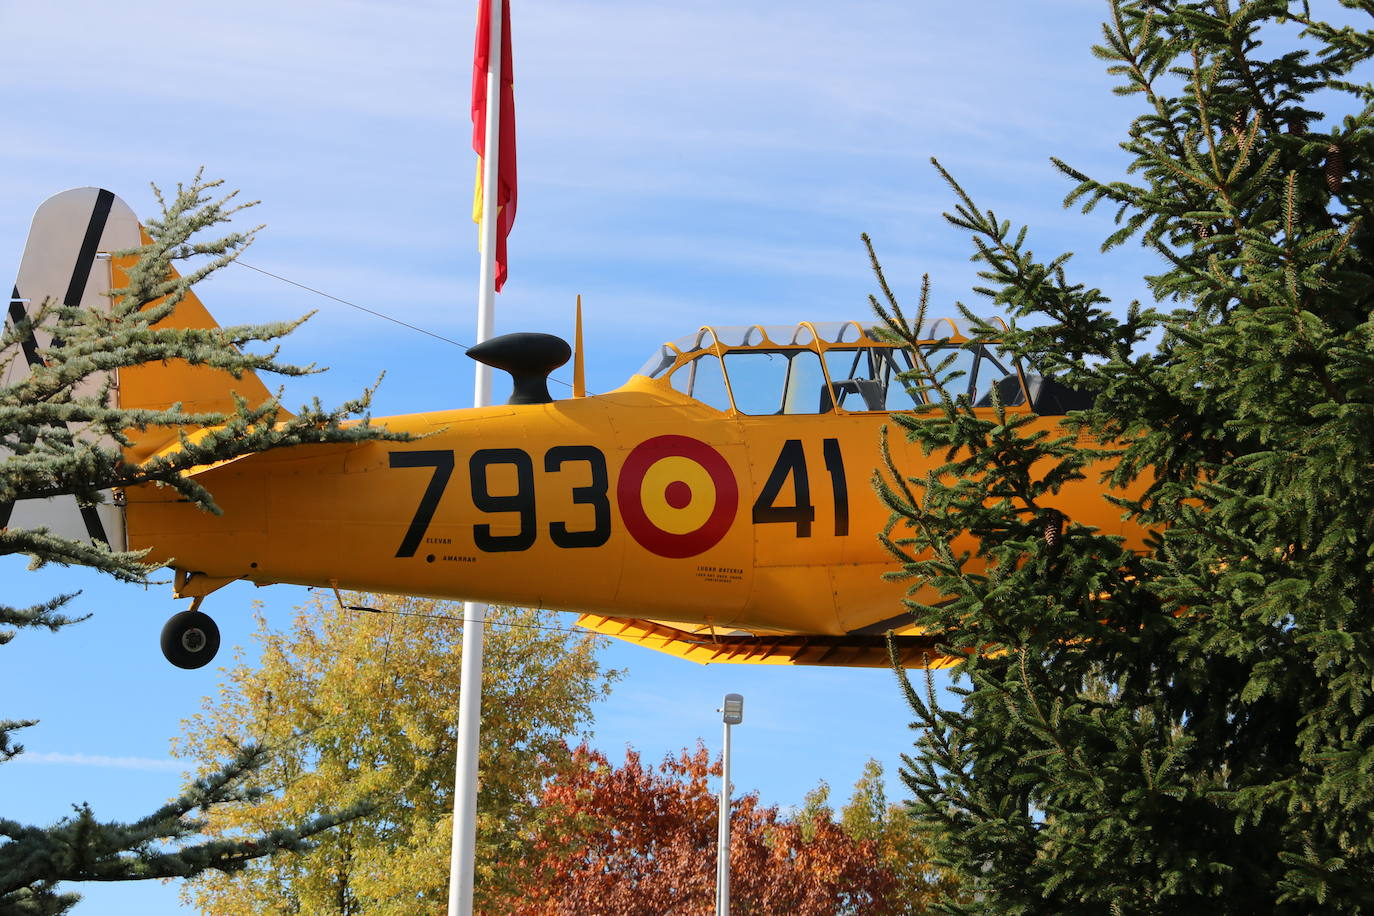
(900, 844)
(360, 707)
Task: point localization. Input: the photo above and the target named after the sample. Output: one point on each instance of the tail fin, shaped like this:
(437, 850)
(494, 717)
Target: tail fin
(66, 260)
(157, 386)
(69, 257)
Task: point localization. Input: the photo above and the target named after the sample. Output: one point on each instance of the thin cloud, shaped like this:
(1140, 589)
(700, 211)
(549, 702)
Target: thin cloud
(102, 761)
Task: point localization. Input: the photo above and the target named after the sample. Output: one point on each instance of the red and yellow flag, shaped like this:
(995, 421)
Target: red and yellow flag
(505, 145)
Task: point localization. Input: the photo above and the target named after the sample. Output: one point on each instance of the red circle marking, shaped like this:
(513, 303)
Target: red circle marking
(677, 494)
(642, 528)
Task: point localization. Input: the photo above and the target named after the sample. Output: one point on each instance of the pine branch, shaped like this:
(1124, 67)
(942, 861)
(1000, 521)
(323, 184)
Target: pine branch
(62, 433)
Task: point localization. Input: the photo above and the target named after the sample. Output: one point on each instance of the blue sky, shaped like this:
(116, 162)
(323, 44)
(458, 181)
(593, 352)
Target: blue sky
(680, 164)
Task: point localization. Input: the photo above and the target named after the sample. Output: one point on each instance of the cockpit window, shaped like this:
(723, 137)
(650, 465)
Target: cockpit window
(660, 362)
(767, 382)
(867, 378)
(974, 370)
(702, 379)
(773, 370)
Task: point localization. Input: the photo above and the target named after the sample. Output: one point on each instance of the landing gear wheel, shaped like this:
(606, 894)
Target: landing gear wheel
(190, 639)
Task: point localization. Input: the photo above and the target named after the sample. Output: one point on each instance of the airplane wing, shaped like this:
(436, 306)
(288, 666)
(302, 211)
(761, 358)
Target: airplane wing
(853, 650)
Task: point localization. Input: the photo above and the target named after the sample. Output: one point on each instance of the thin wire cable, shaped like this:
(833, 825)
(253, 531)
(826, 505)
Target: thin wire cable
(354, 305)
(373, 312)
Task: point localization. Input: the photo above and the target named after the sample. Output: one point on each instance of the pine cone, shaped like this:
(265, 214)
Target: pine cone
(1054, 529)
(1240, 123)
(1204, 231)
(1335, 168)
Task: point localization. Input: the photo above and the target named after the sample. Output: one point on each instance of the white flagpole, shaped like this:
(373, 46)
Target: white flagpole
(464, 848)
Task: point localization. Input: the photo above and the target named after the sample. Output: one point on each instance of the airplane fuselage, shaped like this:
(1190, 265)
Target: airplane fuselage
(641, 503)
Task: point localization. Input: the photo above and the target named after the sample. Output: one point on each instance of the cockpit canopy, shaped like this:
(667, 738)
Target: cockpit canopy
(819, 367)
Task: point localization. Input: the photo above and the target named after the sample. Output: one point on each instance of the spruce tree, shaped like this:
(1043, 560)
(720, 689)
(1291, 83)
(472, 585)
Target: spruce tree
(1188, 728)
(63, 433)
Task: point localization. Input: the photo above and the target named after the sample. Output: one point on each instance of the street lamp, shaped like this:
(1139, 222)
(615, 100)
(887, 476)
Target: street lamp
(732, 713)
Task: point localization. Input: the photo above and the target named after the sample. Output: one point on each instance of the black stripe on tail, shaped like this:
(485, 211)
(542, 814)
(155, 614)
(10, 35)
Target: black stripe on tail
(85, 260)
(29, 344)
(89, 245)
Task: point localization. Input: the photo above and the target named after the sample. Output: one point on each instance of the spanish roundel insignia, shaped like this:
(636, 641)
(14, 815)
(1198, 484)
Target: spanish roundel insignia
(677, 496)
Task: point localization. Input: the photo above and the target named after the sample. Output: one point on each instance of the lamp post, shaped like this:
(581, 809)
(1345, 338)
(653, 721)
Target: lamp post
(732, 713)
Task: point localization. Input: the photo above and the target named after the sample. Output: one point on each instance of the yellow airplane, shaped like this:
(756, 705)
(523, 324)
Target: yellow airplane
(717, 507)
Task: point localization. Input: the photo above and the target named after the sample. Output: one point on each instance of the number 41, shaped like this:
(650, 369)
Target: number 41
(792, 463)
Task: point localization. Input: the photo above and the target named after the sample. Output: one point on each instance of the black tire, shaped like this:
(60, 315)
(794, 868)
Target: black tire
(190, 639)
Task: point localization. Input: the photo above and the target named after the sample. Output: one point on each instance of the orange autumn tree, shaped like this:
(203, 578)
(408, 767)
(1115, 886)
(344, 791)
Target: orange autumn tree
(640, 841)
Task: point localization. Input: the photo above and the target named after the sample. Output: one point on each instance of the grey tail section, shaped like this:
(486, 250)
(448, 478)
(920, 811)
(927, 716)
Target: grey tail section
(60, 222)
